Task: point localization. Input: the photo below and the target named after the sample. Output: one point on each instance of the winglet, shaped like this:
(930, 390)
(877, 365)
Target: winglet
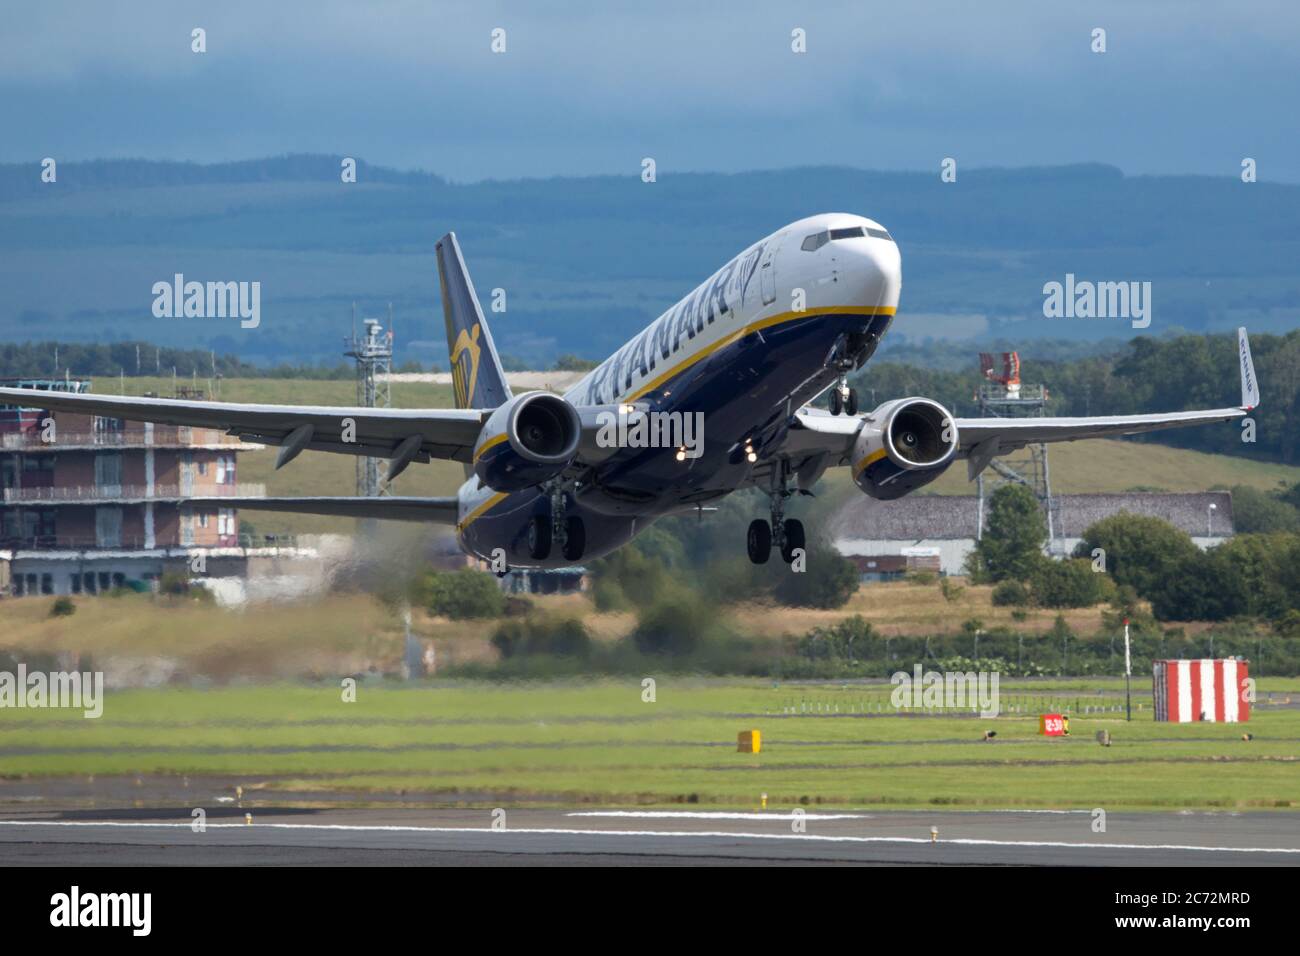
(1249, 384)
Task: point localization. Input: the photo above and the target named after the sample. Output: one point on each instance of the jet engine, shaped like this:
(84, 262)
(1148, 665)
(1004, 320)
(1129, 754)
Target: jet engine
(528, 440)
(902, 445)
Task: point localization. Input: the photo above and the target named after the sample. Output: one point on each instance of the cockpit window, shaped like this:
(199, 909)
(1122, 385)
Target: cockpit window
(858, 232)
(819, 239)
(816, 241)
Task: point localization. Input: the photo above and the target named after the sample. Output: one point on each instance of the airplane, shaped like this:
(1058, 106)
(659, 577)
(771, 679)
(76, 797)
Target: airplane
(748, 350)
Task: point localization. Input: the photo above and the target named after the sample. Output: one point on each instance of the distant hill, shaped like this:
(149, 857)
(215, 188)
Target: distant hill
(587, 261)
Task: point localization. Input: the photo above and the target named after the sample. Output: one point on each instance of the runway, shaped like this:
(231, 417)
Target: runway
(534, 837)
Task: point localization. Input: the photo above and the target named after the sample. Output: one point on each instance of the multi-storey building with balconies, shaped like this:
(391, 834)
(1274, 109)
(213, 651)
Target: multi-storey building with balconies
(92, 503)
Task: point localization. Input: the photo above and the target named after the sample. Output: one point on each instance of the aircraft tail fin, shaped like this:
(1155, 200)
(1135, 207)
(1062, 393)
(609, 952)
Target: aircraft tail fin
(477, 377)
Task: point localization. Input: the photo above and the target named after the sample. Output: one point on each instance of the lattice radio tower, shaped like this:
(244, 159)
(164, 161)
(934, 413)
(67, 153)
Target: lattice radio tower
(372, 351)
(1002, 395)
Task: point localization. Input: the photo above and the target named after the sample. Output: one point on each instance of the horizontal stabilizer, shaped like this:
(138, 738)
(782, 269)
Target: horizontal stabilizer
(429, 510)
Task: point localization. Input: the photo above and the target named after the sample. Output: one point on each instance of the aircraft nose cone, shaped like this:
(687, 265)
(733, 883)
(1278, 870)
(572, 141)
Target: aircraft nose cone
(876, 272)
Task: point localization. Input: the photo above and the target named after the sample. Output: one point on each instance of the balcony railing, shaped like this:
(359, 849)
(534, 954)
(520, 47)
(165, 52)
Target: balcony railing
(86, 493)
(162, 437)
(55, 542)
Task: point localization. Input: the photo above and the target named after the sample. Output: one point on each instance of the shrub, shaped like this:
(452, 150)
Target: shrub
(850, 639)
(1139, 551)
(460, 595)
(174, 583)
(828, 580)
(683, 624)
(1070, 583)
(560, 636)
(516, 606)
(1013, 536)
(62, 606)
(1010, 594)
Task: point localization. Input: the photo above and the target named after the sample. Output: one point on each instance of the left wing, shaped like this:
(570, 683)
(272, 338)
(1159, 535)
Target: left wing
(814, 431)
(402, 435)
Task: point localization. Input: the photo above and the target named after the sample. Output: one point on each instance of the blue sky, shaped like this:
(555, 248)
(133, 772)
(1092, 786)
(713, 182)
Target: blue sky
(587, 87)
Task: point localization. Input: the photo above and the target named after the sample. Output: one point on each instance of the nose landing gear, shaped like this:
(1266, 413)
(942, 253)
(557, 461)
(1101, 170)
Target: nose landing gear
(844, 400)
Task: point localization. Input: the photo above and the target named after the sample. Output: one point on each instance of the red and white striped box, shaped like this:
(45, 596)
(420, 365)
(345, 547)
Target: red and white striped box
(1213, 690)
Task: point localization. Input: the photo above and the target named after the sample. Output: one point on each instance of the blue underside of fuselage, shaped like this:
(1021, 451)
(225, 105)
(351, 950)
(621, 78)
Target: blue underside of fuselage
(745, 391)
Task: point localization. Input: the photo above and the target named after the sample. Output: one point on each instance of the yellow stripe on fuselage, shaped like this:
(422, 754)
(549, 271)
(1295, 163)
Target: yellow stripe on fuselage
(478, 512)
(755, 326)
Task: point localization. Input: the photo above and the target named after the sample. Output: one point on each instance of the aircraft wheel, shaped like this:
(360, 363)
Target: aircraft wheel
(794, 538)
(539, 538)
(837, 401)
(759, 541)
(851, 405)
(575, 538)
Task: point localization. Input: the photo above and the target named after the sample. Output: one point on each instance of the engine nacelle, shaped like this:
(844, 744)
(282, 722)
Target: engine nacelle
(903, 445)
(528, 440)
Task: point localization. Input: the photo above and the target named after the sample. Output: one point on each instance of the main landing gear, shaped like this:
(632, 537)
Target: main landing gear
(568, 531)
(786, 533)
(844, 400)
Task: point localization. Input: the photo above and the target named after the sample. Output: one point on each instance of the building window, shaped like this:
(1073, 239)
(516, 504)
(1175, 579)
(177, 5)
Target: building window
(74, 583)
(108, 527)
(89, 579)
(203, 519)
(47, 584)
(108, 472)
(225, 521)
(203, 466)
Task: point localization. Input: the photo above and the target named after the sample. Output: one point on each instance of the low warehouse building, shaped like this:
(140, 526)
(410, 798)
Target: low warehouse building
(949, 525)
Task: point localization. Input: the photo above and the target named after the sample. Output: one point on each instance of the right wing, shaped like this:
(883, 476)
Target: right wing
(402, 435)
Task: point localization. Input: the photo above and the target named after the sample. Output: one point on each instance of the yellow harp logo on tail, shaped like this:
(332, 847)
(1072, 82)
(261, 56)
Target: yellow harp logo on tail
(464, 365)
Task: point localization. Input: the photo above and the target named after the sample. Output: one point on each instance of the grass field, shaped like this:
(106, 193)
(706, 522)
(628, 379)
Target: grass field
(600, 743)
(1097, 466)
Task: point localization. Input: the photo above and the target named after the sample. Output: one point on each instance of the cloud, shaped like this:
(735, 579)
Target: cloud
(591, 87)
